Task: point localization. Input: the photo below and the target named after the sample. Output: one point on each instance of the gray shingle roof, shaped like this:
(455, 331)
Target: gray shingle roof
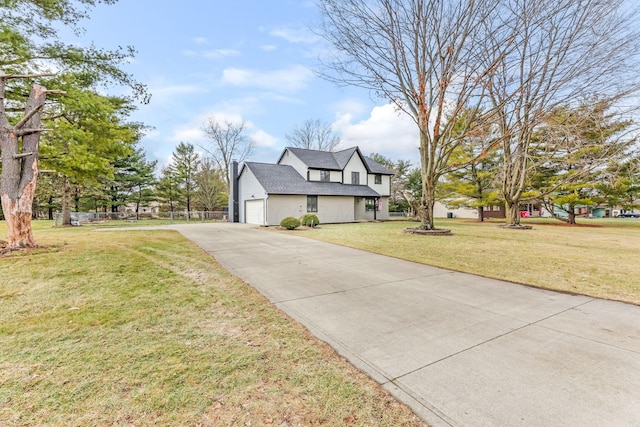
(284, 179)
(316, 159)
(375, 167)
(343, 157)
(327, 160)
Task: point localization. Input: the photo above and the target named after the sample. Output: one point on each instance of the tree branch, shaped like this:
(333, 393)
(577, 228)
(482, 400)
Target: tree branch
(24, 76)
(27, 131)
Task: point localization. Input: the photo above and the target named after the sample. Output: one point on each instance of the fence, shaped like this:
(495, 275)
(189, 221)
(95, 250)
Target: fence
(81, 218)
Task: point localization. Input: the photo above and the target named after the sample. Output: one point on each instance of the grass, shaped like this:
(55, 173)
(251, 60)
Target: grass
(599, 258)
(143, 328)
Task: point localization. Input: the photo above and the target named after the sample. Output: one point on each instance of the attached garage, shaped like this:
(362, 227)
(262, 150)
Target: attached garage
(254, 211)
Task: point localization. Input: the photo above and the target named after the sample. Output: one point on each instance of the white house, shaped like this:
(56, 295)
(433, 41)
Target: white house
(342, 186)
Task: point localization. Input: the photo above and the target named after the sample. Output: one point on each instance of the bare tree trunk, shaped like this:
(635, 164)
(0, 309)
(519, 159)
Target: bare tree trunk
(66, 201)
(512, 213)
(20, 169)
(571, 220)
(481, 213)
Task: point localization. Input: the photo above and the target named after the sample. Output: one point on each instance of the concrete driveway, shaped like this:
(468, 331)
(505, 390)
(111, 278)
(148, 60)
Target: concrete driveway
(460, 350)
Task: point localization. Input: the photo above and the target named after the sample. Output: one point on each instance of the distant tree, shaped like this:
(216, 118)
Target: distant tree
(211, 193)
(227, 142)
(167, 190)
(184, 166)
(47, 197)
(619, 184)
(553, 53)
(576, 146)
(133, 180)
(413, 191)
(399, 180)
(313, 134)
(472, 182)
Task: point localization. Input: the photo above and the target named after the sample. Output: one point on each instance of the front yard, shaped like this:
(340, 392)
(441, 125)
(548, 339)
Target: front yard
(599, 258)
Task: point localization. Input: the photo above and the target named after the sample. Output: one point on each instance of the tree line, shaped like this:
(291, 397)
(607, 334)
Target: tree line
(195, 178)
(579, 157)
(458, 67)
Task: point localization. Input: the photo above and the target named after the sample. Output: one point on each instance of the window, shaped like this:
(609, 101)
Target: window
(312, 203)
(325, 176)
(378, 179)
(369, 204)
(355, 178)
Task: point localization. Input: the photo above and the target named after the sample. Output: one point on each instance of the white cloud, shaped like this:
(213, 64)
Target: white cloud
(269, 47)
(199, 40)
(295, 34)
(263, 139)
(288, 79)
(385, 131)
(220, 53)
(187, 133)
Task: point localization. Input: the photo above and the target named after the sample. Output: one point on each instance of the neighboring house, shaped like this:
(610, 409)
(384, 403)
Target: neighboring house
(441, 210)
(342, 186)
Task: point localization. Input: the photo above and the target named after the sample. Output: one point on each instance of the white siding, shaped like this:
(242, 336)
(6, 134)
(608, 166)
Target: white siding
(288, 158)
(440, 211)
(355, 164)
(383, 189)
(248, 189)
(383, 213)
(280, 207)
(335, 209)
(334, 176)
(331, 209)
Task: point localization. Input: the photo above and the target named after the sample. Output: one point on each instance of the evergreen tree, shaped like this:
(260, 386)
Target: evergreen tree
(577, 144)
(184, 166)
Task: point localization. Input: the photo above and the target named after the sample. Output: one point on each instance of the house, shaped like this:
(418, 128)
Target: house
(342, 186)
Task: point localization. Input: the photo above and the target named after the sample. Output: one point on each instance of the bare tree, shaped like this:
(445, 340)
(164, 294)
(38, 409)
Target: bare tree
(554, 52)
(211, 193)
(19, 148)
(228, 142)
(421, 56)
(313, 134)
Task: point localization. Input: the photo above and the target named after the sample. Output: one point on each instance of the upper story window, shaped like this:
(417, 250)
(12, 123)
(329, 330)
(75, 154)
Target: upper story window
(355, 178)
(325, 176)
(378, 179)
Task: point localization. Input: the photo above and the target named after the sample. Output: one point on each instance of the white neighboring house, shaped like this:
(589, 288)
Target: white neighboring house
(342, 186)
(440, 210)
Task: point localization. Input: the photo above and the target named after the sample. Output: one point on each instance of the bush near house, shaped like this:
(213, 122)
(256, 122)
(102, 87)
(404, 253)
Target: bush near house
(290, 223)
(309, 220)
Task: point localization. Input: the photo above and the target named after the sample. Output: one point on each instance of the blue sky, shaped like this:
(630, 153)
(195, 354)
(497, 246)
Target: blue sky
(250, 60)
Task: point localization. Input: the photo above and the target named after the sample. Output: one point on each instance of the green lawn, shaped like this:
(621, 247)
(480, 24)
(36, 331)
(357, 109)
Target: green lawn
(600, 258)
(143, 328)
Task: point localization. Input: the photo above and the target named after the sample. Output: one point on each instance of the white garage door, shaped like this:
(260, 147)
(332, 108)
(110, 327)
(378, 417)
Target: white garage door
(254, 212)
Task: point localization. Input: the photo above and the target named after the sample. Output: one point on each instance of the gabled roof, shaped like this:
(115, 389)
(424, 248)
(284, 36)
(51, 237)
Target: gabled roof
(338, 160)
(315, 159)
(284, 179)
(375, 167)
(343, 157)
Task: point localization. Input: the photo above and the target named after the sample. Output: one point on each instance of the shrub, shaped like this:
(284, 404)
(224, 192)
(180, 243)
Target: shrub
(290, 223)
(310, 220)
